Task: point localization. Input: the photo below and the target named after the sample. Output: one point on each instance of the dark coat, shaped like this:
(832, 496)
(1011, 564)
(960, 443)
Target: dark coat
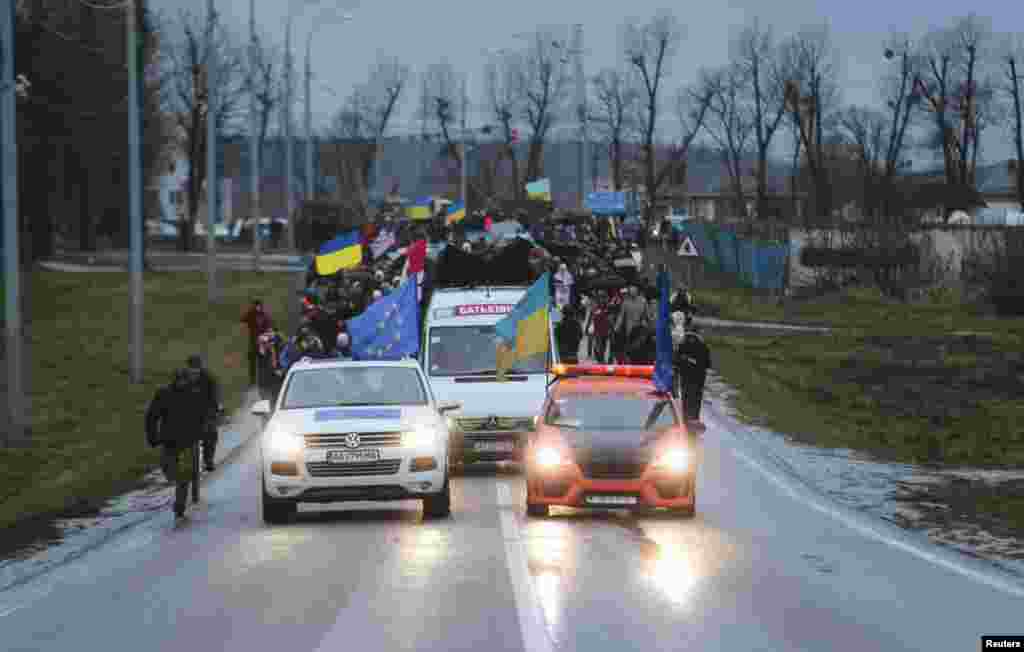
(643, 346)
(693, 356)
(568, 334)
(176, 416)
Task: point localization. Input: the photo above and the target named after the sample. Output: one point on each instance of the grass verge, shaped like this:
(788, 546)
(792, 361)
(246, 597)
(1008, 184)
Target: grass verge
(87, 417)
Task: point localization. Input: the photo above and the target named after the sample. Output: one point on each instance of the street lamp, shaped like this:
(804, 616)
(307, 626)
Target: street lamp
(344, 18)
(289, 151)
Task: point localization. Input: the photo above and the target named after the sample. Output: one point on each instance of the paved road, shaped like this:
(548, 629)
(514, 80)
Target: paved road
(764, 566)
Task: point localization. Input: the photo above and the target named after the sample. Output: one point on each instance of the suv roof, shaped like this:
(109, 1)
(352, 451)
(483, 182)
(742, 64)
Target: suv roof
(331, 362)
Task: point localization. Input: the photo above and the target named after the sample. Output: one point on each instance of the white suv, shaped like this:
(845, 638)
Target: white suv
(347, 431)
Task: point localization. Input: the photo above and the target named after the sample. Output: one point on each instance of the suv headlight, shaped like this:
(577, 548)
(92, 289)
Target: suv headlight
(282, 443)
(675, 459)
(421, 436)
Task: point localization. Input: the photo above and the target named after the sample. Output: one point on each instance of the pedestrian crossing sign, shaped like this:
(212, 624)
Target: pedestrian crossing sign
(687, 248)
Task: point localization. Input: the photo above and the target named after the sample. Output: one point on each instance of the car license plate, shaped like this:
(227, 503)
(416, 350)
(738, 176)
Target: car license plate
(494, 446)
(611, 500)
(348, 457)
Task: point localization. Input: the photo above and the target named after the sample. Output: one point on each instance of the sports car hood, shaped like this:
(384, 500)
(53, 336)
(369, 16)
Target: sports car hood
(354, 419)
(484, 398)
(610, 440)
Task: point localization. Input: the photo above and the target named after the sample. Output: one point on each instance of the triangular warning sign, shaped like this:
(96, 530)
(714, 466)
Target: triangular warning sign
(687, 248)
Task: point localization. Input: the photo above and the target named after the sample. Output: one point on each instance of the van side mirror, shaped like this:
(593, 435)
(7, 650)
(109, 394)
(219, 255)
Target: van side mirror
(448, 406)
(261, 408)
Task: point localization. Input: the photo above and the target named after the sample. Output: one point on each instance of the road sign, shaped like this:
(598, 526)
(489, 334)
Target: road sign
(687, 248)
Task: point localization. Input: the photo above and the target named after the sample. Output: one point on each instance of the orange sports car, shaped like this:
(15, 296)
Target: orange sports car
(606, 439)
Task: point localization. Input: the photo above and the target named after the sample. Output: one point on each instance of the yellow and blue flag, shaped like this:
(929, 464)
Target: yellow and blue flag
(343, 252)
(525, 331)
(421, 209)
(539, 189)
(456, 212)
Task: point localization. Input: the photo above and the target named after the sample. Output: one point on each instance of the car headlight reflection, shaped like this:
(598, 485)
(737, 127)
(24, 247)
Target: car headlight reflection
(548, 457)
(283, 443)
(420, 436)
(674, 459)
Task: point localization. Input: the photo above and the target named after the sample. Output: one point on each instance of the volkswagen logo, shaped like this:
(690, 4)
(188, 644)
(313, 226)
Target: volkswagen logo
(492, 423)
(352, 440)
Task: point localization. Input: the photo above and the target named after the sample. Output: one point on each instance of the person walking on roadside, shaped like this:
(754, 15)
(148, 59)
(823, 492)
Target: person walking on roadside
(568, 334)
(693, 359)
(257, 320)
(174, 420)
(630, 315)
(214, 408)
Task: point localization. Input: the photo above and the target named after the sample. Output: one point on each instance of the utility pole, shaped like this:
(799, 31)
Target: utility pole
(288, 152)
(309, 127)
(464, 184)
(254, 142)
(211, 158)
(581, 109)
(134, 188)
(17, 433)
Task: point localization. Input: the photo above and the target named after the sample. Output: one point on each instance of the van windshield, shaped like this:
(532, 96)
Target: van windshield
(471, 350)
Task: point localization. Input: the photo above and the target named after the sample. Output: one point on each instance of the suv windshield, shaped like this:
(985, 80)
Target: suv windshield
(469, 350)
(611, 412)
(340, 386)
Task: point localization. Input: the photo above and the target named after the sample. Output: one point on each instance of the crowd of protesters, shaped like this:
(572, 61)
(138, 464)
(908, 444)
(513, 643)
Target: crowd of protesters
(603, 301)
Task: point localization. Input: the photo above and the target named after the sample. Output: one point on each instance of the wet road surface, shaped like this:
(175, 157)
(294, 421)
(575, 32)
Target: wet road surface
(765, 565)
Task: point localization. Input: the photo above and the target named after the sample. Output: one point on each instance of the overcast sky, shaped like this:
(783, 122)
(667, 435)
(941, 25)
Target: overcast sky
(421, 32)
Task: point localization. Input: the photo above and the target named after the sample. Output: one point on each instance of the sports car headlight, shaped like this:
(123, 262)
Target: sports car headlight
(420, 436)
(283, 443)
(675, 459)
(548, 457)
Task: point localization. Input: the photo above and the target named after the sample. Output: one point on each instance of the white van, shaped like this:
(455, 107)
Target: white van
(458, 356)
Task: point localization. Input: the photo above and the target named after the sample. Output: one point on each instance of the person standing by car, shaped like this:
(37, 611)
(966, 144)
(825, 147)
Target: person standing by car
(174, 420)
(630, 315)
(257, 320)
(214, 408)
(568, 334)
(693, 359)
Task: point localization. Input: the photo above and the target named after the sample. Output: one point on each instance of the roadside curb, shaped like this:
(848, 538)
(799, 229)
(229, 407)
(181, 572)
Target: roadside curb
(124, 512)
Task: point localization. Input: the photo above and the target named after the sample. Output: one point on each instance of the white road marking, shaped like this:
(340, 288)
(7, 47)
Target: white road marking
(986, 579)
(531, 617)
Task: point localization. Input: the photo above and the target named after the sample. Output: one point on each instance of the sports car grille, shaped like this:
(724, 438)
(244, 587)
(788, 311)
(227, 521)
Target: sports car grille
(482, 424)
(327, 470)
(366, 440)
(601, 470)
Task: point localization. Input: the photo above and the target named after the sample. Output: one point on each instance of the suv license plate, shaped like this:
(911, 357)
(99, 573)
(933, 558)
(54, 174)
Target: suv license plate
(494, 446)
(611, 500)
(348, 457)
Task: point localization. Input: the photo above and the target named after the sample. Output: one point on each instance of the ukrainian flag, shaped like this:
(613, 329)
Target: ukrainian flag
(456, 212)
(421, 209)
(525, 331)
(343, 252)
(539, 189)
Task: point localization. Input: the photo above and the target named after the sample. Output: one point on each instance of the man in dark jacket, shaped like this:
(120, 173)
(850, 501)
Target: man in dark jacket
(211, 395)
(568, 334)
(642, 347)
(693, 359)
(174, 420)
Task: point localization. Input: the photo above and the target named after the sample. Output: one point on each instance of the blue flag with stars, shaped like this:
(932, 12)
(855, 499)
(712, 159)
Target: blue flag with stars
(663, 337)
(389, 328)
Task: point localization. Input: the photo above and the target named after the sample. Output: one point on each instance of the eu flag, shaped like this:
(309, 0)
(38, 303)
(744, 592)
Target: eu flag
(389, 329)
(663, 338)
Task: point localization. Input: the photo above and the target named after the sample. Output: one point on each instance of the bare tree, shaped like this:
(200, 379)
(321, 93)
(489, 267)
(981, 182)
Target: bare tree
(649, 49)
(617, 96)
(757, 57)
(187, 58)
(543, 83)
(812, 99)
(269, 86)
(952, 79)
(364, 121)
(1013, 72)
(441, 104)
(730, 124)
(506, 104)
